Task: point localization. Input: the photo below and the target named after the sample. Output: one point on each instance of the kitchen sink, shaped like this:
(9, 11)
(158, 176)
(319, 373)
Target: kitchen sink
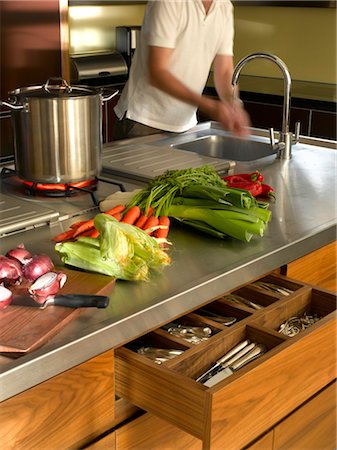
(217, 143)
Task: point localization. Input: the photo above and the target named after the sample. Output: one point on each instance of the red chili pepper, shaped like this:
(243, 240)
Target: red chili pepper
(267, 191)
(253, 176)
(254, 187)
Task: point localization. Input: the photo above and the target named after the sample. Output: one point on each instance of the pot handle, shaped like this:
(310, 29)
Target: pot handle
(61, 86)
(108, 94)
(11, 105)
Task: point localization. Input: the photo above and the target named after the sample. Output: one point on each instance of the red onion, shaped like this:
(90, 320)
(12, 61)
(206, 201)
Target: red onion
(6, 297)
(38, 266)
(20, 254)
(10, 270)
(47, 285)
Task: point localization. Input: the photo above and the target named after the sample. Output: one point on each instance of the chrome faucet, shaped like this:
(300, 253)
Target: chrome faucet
(286, 138)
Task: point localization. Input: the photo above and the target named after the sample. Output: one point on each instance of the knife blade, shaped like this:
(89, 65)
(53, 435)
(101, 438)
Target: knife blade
(258, 350)
(227, 356)
(67, 300)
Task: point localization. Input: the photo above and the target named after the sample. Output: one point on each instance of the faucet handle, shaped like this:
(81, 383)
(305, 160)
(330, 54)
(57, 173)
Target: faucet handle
(297, 133)
(272, 137)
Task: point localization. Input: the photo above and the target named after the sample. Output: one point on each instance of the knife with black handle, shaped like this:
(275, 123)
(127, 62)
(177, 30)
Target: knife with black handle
(68, 300)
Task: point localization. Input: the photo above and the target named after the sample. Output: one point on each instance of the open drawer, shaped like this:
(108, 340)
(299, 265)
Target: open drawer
(236, 410)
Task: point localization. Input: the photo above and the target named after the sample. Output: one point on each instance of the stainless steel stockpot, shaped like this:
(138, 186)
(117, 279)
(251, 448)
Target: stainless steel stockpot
(57, 131)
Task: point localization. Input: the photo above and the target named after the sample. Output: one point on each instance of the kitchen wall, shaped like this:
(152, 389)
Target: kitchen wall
(304, 37)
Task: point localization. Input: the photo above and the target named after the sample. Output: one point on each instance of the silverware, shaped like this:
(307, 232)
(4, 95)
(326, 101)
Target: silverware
(224, 320)
(244, 301)
(237, 356)
(159, 355)
(257, 351)
(226, 357)
(191, 334)
(272, 288)
(295, 325)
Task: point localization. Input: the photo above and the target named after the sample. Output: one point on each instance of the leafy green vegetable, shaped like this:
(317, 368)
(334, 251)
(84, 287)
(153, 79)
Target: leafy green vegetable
(200, 198)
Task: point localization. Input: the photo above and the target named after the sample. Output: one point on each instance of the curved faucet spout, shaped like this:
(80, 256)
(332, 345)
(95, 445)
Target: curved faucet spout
(284, 144)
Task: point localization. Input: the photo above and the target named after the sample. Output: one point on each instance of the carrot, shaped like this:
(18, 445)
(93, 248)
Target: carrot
(77, 224)
(94, 233)
(118, 216)
(86, 233)
(65, 236)
(151, 222)
(131, 215)
(116, 209)
(86, 226)
(143, 218)
(163, 232)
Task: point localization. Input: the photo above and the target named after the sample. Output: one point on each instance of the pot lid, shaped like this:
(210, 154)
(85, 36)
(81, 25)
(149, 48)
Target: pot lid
(54, 88)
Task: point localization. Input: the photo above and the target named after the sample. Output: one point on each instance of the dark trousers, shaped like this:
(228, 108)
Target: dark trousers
(126, 128)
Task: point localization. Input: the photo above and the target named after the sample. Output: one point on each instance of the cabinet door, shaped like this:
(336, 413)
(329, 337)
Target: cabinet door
(312, 426)
(64, 412)
(319, 267)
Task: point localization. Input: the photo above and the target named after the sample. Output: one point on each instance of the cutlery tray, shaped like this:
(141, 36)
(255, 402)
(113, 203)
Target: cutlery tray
(254, 398)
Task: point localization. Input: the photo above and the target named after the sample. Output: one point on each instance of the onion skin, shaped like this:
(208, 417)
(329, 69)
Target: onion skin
(47, 285)
(10, 271)
(38, 266)
(6, 297)
(20, 254)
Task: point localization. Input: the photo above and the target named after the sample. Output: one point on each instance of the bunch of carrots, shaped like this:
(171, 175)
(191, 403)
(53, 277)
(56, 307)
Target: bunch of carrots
(157, 227)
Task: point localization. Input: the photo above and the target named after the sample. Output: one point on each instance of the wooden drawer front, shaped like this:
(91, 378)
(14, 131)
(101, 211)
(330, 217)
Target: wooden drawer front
(107, 442)
(264, 443)
(64, 412)
(312, 426)
(148, 432)
(241, 407)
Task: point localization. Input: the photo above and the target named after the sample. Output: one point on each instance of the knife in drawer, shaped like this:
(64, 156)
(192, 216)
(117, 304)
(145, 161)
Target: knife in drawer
(219, 363)
(257, 351)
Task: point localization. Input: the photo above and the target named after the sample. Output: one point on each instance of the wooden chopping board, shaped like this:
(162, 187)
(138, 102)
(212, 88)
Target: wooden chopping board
(24, 328)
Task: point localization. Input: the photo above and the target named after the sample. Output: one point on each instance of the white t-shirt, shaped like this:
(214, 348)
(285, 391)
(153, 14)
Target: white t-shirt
(196, 39)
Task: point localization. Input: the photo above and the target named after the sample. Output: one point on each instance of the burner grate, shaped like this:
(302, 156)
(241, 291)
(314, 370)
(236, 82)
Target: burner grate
(59, 190)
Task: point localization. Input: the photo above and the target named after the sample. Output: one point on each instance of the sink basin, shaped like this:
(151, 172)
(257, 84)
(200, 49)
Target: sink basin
(220, 144)
(228, 148)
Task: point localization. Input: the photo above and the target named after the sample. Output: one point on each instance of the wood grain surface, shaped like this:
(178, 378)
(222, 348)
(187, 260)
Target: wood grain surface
(318, 267)
(312, 426)
(65, 412)
(24, 328)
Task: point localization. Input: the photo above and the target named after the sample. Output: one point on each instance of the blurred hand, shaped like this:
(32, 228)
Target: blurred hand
(231, 115)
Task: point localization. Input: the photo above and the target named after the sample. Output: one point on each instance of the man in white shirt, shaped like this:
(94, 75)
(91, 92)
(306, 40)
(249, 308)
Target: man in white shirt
(180, 40)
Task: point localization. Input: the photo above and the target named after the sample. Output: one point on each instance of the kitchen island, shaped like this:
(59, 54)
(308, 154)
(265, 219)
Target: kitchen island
(203, 268)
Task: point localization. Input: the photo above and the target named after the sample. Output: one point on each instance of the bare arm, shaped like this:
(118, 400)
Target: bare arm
(162, 78)
(223, 70)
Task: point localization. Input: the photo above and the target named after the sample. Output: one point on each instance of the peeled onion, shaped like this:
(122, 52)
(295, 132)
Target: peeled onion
(20, 254)
(6, 297)
(10, 270)
(47, 285)
(38, 266)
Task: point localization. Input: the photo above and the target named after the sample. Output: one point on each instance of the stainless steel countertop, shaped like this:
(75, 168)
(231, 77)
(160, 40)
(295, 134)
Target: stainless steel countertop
(304, 219)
